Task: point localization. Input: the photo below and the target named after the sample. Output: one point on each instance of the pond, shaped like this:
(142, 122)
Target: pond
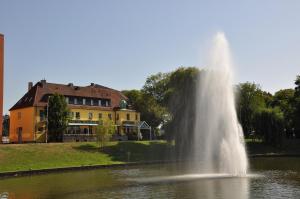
(274, 178)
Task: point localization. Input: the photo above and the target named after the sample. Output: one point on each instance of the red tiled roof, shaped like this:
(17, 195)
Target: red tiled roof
(42, 89)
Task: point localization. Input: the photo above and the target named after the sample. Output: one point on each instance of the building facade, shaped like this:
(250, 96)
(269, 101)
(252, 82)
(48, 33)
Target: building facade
(1, 81)
(89, 106)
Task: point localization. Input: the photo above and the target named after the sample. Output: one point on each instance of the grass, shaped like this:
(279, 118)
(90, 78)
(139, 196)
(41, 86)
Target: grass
(20, 157)
(16, 157)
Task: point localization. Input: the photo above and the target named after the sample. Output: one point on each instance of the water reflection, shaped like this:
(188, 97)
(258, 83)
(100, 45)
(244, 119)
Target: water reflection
(282, 182)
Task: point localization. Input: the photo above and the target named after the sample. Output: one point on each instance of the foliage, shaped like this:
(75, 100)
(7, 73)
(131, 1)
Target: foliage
(58, 116)
(296, 104)
(251, 99)
(156, 86)
(146, 104)
(283, 99)
(104, 132)
(181, 98)
(269, 124)
(5, 125)
(169, 99)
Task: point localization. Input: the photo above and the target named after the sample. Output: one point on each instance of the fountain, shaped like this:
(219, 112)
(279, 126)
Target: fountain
(216, 147)
(218, 144)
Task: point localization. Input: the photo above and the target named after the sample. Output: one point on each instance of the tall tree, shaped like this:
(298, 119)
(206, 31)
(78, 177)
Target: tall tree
(151, 111)
(58, 116)
(156, 86)
(251, 99)
(296, 115)
(181, 98)
(283, 99)
(269, 123)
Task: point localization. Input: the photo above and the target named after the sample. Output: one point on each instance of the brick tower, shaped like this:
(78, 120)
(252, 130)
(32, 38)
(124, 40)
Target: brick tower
(1, 81)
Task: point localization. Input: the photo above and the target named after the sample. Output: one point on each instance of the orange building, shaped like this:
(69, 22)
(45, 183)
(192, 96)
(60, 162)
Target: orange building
(1, 81)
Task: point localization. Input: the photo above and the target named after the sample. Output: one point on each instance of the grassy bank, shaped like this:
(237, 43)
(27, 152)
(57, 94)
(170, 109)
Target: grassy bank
(20, 157)
(16, 157)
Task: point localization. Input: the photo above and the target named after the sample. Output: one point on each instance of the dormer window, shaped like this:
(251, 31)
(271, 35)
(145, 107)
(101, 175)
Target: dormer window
(71, 100)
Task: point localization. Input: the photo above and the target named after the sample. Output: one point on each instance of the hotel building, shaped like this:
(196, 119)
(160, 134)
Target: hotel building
(88, 105)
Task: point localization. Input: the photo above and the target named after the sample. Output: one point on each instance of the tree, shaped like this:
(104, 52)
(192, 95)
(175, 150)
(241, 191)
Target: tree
(104, 132)
(296, 104)
(283, 99)
(58, 116)
(181, 98)
(151, 111)
(5, 124)
(157, 86)
(251, 99)
(269, 123)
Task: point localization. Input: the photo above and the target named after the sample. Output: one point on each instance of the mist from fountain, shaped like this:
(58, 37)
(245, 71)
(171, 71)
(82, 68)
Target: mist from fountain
(218, 142)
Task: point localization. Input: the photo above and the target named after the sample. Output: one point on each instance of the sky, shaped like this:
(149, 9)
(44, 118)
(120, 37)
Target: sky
(119, 43)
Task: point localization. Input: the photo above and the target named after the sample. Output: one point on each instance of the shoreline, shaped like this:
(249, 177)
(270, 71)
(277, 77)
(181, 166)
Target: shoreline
(22, 173)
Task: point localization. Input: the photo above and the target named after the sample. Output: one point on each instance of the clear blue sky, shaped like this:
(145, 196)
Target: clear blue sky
(119, 43)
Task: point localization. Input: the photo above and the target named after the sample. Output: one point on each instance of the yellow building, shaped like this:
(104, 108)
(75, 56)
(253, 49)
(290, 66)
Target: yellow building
(88, 105)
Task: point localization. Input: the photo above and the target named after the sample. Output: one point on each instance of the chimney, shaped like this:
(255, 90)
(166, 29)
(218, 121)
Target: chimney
(92, 84)
(43, 81)
(30, 85)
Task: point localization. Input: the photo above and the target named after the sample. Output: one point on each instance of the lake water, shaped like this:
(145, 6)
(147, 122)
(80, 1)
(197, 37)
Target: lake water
(270, 178)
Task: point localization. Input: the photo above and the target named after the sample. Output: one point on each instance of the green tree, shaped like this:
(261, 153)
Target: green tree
(283, 99)
(104, 132)
(5, 124)
(181, 98)
(156, 86)
(58, 116)
(251, 99)
(269, 123)
(296, 104)
(151, 111)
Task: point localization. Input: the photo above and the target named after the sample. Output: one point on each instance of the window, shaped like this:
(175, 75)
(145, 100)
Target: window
(19, 115)
(83, 101)
(42, 115)
(99, 102)
(75, 101)
(90, 116)
(78, 115)
(71, 115)
(117, 117)
(79, 101)
(128, 116)
(67, 100)
(106, 103)
(109, 116)
(136, 117)
(71, 100)
(92, 102)
(100, 115)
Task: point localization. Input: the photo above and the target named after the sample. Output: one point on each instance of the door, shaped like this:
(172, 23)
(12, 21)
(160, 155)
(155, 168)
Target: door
(19, 135)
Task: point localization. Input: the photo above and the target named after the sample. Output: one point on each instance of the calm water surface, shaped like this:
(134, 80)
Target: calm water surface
(279, 178)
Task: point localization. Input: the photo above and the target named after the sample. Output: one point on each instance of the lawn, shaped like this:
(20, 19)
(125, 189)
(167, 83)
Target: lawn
(16, 157)
(20, 157)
